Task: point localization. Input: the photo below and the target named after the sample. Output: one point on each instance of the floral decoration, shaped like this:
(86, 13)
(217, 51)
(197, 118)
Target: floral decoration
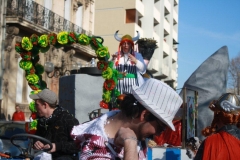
(34, 115)
(102, 65)
(109, 84)
(103, 52)
(26, 55)
(18, 47)
(33, 125)
(33, 86)
(72, 37)
(83, 39)
(26, 44)
(30, 71)
(107, 74)
(35, 59)
(32, 78)
(43, 40)
(29, 49)
(52, 37)
(25, 65)
(103, 105)
(34, 39)
(96, 42)
(62, 37)
(146, 47)
(39, 68)
(116, 92)
(106, 96)
(32, 107)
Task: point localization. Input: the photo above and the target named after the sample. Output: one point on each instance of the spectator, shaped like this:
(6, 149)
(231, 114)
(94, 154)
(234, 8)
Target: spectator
(18, 115)
(55, 124)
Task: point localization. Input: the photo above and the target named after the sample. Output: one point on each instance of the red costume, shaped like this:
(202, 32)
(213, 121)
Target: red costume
(221, 146)
(170, 137)
(18, 116)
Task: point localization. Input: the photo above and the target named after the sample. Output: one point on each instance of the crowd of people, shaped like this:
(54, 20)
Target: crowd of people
(147, 108)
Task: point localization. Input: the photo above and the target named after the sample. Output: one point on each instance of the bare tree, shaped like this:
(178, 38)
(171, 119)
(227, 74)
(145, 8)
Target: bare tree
(234, 74)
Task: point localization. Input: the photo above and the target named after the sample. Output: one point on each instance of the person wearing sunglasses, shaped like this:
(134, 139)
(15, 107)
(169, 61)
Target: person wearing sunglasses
(121, 134)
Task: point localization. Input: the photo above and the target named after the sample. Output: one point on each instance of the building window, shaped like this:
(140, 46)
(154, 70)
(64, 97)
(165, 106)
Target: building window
(133, 16)
(130, 15)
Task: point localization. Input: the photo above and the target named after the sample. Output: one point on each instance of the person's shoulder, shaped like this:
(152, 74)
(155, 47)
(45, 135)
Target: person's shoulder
(66, 113)
(214, 138)
(138, 54)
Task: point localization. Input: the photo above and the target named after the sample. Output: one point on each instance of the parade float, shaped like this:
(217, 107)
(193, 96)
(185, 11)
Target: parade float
(169, 145)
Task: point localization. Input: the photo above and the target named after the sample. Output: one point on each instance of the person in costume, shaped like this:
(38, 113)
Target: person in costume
(55, 124)
(120, 134)
(223, 136)
(129, 63)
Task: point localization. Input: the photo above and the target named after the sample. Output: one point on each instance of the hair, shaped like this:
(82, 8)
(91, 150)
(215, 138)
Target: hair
(50, 105)
(132, 108)
(221, 116)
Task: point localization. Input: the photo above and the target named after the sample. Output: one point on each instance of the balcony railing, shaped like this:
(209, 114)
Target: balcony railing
(35, 13)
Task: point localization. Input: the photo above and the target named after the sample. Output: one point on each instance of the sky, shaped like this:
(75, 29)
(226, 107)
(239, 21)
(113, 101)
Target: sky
(204, 26)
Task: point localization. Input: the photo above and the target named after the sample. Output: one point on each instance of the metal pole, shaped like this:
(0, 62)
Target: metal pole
(196, 113)
(238, 83)
(184, 119)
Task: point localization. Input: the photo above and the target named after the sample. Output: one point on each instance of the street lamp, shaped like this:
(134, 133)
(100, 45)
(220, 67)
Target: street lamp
(54, 71)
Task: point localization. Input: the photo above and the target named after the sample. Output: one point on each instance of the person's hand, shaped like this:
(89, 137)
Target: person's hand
(53, 147)
(132, 58)
(38, 145)
(114, 56)
(123, 135)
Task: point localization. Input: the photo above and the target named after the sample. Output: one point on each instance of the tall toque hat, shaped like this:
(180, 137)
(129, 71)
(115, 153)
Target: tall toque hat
(158, 98)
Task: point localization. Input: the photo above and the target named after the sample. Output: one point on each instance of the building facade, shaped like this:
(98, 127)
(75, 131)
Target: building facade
(19, 18)
(156, 19)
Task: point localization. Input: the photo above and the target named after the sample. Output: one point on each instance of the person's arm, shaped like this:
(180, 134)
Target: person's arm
(127, 138)
(13, 116)
(23, 116)
(130, 149)
(140, 64)
(114, 56)
(67, 144)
